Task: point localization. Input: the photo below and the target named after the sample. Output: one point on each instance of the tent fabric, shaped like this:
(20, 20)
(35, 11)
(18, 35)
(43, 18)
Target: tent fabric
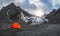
(16, 26)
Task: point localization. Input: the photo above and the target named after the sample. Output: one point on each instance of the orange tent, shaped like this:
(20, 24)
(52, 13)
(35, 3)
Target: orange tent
(16, 26)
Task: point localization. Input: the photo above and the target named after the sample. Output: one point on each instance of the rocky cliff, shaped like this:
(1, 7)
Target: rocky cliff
(54, 16)
(10, 13)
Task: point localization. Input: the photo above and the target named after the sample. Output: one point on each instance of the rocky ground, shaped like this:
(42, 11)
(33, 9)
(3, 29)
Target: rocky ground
(35, 30)
(43, 30)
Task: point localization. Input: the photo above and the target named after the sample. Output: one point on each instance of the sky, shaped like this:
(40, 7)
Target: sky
(35, 7)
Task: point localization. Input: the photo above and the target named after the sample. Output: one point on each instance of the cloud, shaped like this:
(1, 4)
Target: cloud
(51, 4)
(18, 2)
(39, 7)
(32, 6)
(21, 1)
(38, 12)
(4, 3)
(55, 3)
(37, 3)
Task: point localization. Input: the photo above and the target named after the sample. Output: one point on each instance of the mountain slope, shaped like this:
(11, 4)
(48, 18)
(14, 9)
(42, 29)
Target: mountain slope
(54, 16)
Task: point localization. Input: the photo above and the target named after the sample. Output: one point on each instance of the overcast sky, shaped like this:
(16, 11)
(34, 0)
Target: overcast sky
(34, 6)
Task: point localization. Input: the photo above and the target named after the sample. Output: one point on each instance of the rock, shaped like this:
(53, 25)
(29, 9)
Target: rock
(9, 14)
(54, 16)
